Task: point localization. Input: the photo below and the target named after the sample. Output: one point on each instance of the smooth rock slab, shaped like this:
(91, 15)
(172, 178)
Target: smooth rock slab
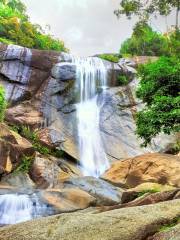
(67, 200)
(152, 167)
(105, 193)
(123, 224)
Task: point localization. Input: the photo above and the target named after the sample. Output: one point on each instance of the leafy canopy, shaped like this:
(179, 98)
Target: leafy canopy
(159, 88)
(16, 28)
(144, 9)
(145, 41)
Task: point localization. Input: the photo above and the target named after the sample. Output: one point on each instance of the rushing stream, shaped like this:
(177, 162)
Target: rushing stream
(91, 77)
(16, 208)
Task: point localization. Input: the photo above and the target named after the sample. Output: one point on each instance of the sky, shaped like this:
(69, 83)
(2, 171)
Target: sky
(87, 27)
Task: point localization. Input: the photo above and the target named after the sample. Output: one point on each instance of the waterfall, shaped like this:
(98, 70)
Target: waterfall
(91, 76)
(16, 208)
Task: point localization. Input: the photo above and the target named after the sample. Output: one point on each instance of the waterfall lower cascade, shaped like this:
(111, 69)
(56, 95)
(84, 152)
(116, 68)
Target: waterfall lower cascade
(91, 76)
(16, 208)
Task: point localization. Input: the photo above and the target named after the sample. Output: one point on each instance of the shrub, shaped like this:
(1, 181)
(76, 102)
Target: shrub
(110, 57)
(159, 88)
(25, 165)
(2, 103)
(32, 136)
(123, 80)
(142, 193)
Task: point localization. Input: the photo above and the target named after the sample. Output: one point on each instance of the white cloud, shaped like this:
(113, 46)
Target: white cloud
(87, 26)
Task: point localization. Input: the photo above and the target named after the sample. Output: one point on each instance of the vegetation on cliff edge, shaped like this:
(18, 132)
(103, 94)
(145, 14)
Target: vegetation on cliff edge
(16, 28)
(2, 103)
(159, 89)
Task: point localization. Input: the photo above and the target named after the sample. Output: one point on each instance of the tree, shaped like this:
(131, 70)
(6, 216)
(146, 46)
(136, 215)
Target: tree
(145, 41)
(15, 28)
(144, 8)
(159, 89)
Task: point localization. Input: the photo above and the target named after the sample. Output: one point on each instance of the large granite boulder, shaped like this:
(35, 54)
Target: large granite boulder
(104, 192)
(158, 168)
(67, 200)
(135, 223)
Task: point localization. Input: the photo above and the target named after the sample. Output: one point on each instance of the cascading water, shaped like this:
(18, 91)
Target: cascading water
(16, 208)
(91, 75)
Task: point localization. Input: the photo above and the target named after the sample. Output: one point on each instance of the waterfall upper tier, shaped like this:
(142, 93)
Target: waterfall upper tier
(91, 74)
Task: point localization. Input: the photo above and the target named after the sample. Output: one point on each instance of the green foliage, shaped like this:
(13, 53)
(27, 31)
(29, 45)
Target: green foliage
(174, 43)
(16, 28)
(175, 149)
(27, 133)
(122, 80)
(6, 41)
(110, 57)
(25, 165)
(2, 103)
(168, 226)
(32, 136)
(145, 41)
(159, 88)
(144, 9)
(140, 194)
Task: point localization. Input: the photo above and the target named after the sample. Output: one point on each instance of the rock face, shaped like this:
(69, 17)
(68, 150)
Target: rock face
(48, 171)
(40, 85)
(67, 200)
(135, 223)
(12, 148)
(171, 233)
(105, 193)
(158, 168)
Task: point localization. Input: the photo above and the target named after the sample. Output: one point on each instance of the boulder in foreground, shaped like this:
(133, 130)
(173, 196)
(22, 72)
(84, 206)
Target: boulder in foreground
(151, 167)
(135, 223)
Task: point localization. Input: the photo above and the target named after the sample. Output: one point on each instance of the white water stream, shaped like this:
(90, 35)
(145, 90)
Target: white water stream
(16, 208)
(91, 76)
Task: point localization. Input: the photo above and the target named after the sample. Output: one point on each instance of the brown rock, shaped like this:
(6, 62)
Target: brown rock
(171, 233)
(146, 199)
(66, 200)
(50, 171)
(158, 168)
(147, 187)
(25, 114)
(12, 148)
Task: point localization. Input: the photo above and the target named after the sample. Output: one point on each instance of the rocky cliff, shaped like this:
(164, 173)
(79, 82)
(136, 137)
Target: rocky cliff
(40, 89)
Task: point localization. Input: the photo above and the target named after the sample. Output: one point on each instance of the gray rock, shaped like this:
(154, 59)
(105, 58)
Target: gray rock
(104, 192)
(19, 180)
(64, 71)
